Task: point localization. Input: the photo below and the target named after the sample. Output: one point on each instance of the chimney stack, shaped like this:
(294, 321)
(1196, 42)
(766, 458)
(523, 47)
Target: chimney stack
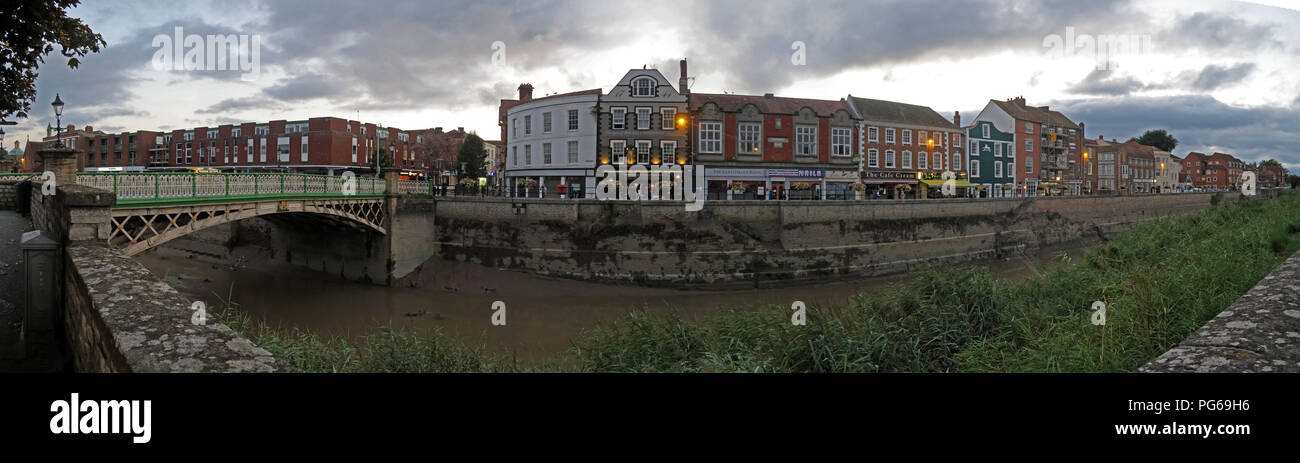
(89, 129)
(681, 81)
(525, 92)
(71, 128)
(956, 118)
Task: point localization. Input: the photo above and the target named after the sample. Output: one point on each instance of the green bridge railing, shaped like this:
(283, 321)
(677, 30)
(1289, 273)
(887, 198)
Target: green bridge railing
(191, 187)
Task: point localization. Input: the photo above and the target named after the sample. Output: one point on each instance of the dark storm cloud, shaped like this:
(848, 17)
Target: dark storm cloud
(752, 46)
(1201, 123)
(1103, 82)
(1215, 31)
(1213, 76)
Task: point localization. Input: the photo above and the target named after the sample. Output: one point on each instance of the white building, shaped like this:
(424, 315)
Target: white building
(552, 140)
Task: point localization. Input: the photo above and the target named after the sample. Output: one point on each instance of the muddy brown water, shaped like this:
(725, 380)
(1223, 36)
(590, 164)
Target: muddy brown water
(543, 315)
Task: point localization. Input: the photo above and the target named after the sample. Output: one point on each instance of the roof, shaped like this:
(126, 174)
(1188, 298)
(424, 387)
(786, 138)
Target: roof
(1040, 114)
(765, 104)
(901, 113)
(593, 91)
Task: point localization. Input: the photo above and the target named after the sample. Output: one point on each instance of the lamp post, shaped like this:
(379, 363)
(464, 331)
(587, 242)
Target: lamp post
(58, 118)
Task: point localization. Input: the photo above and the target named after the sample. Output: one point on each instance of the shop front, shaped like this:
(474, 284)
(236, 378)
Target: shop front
(891, 184)
(735, 183)
(796, 183)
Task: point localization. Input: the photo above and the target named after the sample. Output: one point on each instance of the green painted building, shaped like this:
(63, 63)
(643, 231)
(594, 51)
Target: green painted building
(992, 161)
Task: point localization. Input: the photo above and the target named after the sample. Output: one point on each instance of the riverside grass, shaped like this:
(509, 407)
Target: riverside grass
(1160, 281)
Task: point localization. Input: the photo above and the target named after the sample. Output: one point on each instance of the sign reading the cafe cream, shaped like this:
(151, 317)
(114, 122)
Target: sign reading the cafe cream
(889, 175)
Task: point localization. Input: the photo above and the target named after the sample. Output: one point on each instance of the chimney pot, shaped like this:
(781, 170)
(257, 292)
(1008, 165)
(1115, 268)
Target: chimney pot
(525, 92)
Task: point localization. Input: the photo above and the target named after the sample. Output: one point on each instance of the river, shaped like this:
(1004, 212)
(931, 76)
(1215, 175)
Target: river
(543, 314)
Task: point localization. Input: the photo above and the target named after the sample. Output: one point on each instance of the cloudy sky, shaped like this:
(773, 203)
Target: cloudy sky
(1221, 76)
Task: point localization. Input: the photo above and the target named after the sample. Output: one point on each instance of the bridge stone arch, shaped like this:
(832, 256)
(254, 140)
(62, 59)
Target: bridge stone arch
(138, 229)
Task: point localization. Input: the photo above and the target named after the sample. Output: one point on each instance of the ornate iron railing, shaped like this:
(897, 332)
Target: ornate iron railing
(189, 187)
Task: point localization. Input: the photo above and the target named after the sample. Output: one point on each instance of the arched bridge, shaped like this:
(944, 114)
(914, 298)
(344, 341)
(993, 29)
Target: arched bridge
(153, 208)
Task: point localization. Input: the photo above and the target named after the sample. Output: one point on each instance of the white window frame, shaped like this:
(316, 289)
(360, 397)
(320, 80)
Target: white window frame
(923, 160)
(303, 154)
(667, 118)
(710, 145)
(873, 156)
(873, 134)
(573, 119)
(572, 148)
(906, 161)
(841, 142)
(547, 120)
(956, 161)
(907, 136)
(744, 143)
(803, 139)
(546, 154)
(889, 159)
(667, 151)
(643, 157)
(618, 151)
(889, 136)
(528, 124)
(643, 91)
(618, 118)
(643, 117)
(985, 128)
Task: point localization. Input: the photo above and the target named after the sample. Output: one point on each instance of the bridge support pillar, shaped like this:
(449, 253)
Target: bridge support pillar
(62, 162)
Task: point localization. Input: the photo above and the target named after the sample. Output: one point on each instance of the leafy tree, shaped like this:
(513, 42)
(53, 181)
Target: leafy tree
(1158, 138)
(29, 30)
(1294, 180)
(1270, 162)
(381, 160)
(472, 156)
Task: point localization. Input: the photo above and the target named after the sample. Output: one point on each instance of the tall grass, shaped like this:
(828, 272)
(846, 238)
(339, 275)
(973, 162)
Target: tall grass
(382, 350)
(1160, 281)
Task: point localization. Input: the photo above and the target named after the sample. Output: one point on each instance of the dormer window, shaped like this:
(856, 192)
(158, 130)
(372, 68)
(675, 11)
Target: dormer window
(643, 86)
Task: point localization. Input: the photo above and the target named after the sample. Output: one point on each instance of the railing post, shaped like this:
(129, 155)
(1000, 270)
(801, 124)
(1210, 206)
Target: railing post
(256, 188)
(114, 184)
(194, 185)
(281, 183)
(226, 177)
(155, 185)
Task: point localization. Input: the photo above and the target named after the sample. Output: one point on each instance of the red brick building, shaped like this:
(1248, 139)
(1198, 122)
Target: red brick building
(1232, 166)
(900, 140)
(774, 145)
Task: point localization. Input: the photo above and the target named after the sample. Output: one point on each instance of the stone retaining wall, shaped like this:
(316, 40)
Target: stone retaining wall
(119, 317)
(766, 242)
(1260, 332)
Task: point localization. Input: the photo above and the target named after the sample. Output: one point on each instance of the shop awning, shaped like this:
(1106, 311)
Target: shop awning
(892, 181)
(959, 183)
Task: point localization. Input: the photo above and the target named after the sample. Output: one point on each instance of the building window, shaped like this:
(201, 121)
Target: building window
(974, 150)
(618, 118)
(282, 149)
(618, 150)
(974, 169)
(528, 124)
(249, 151)
(889, 136)
(546, 122)
(872, 156)
(805, 140)
(907, 136)
(711, 137)
(528, 154)
(643, 87)
(546, 153)
(956, 161)
(871, 134)
(667, 117)
(354, 150)
(643, 118)
(514, 154)
(234, 132)
(840, 142)
(1029, 146)
(262, 130)
(922, 160)
(573, 152)
(997, 169)
(1029, 165)
(573, 119)
(750, 134)
(1008, 152)
(514, 127)
(938, 160)
(1029, 127)
(907, 160)
(643, 151)
(889, 159)
(985, 128)
(668, 151)
(304, 148)
(924, 140)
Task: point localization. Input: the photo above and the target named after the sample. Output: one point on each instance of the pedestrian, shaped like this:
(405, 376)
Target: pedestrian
(542, 191)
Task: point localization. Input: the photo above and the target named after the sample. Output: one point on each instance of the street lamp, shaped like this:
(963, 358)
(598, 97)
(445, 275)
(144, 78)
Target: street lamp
(58, 118)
